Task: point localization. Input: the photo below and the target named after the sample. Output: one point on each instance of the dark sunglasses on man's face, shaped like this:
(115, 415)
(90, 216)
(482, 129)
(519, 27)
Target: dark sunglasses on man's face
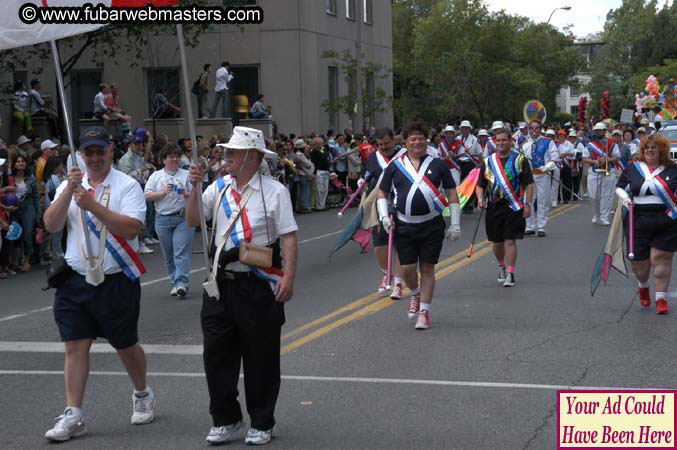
(98, 151)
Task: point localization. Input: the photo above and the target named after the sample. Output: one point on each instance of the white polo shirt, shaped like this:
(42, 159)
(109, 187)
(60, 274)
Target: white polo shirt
(126, 198)
(278, 205)
(172, 202)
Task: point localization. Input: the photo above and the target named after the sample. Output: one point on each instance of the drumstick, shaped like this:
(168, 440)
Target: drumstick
(474, 236)
(631, 231)
(390, 252)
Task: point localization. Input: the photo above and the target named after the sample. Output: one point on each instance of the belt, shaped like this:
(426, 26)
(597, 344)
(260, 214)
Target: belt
(537, 172)
(230, 275)
(647, 200)
(177, 213)
(417, 219)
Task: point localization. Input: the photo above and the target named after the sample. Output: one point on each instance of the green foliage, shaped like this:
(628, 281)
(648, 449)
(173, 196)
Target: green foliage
(454, 59)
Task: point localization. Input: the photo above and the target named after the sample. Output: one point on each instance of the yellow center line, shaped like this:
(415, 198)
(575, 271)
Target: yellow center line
(369, 298)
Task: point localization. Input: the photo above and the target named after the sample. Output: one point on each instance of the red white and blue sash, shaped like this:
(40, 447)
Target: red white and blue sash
(659, 187)
(502, 180)
(242, 231)
(123, 254)
(491, 144)
(448, 155)
(382, 160)
(597, 153)
(466, 149)
(436, 201)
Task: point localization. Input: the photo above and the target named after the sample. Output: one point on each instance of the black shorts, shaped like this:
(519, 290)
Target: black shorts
(109, 310)
(502, 223)
(419, 242)
(651, 229)
(379, 237)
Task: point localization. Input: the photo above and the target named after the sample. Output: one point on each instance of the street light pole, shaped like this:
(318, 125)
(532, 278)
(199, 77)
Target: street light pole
(565, 8)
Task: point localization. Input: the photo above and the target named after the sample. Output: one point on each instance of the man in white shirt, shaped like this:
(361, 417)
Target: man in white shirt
(101, 296)
(601, 154)
(223, 79)
(243, 306)
(100, 108)
(469, 154)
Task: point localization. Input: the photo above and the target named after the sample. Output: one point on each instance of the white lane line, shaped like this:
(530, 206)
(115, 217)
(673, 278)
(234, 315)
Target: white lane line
(551, 387)
(151, 282)
(58, 347)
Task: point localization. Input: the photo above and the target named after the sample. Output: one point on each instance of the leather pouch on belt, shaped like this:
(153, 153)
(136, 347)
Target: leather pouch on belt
(256, 255)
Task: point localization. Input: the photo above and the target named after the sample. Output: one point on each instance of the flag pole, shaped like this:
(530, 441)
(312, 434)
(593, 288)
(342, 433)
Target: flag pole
(191, 126)
(69, 135)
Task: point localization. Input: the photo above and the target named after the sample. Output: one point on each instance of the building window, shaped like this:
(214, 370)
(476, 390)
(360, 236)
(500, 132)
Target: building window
(573, 91)
(574, 110)
(333, 96)
(368, 12)
(162, 78)
(331, 7)
(370, 93)
(350, 9)
(246, 83)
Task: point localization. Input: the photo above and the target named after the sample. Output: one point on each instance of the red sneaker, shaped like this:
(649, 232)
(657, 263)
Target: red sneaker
(397, 292)
(645, 297)
(414, 305)
(423, 320)
(661, 306)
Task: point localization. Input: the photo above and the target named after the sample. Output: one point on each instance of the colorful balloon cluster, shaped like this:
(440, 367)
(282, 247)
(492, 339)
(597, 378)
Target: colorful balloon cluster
(652, 86)
(644, 101)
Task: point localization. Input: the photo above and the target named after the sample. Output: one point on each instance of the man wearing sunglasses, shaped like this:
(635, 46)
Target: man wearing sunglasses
(100, 297)
(542, 152)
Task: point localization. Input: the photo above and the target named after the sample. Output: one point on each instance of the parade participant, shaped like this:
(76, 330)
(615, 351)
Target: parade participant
(101, 295)
(520, 137)
(652, 182)
(243, 306)
(506, 177)
(601, 154)
(448, 149)
(469, 155)
(542, 154)
(483, 139)
(168, 188)
(414, 176)
(376, 164)
(496, 126)
(555, 186)
(571, 166)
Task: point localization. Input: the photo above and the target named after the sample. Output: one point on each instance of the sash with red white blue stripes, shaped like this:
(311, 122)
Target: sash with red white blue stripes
(503, 181)
(421, 182)
(449, 155)
(597, 153)
(659, 187)
(242, 231)
(123, 254)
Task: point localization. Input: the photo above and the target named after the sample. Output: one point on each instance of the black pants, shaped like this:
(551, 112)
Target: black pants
(566, 180)
(244, 325)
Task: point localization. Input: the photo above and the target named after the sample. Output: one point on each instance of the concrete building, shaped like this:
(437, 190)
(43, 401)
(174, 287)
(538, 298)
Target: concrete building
(280, 58)
(567, 98)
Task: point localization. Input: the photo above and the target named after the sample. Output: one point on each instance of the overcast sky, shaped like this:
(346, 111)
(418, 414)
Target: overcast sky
(587, 16)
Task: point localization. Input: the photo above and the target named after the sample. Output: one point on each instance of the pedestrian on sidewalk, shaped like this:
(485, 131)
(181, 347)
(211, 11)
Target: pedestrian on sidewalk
(100, 297)
(168, 189)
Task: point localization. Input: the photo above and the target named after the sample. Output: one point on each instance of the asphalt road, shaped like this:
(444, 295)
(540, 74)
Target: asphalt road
(356, 373)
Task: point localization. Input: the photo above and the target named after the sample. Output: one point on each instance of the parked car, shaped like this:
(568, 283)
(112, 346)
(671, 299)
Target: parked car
(670, 132)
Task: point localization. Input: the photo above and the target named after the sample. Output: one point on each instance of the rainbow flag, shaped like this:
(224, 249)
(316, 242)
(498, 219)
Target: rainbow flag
(613, 254)
(466, 189)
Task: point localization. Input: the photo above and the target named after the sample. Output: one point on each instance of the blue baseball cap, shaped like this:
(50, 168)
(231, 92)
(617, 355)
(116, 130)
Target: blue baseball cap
(140, 135)
(94, 136)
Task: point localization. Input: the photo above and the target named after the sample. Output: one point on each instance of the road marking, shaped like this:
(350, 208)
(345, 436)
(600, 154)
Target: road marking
(58, 347)
(16, 316)
(376, 306)
(148, 283)
(320, 237)
(400, 381)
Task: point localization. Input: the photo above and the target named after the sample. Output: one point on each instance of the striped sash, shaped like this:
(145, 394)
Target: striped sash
(659, 187)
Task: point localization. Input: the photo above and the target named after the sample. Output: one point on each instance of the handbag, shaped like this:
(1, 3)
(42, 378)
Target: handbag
(258, 255)
(57, 272)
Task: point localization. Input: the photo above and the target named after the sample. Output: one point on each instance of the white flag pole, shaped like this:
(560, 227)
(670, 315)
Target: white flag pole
(69, 134)
(191, 126)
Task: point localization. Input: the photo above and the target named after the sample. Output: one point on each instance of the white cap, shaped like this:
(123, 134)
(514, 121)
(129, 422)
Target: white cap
(466, 124)
(652, 125)
(641, 130)
(48, 144)
(550, 132)
(496, 125)
(448, 129)
(618, 132)
(483, 132)
(599, 126)
(22, 140)
(244, 138)
(572, 133)
(299, 143)
(644, 121)
(522, 125)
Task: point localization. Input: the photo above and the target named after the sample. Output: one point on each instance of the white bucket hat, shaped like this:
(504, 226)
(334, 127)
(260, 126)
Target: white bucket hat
(483, 133)
(573, 133)
(244, 138)
(522, 125)
(550, 132)
(496, 125)
(48, 144)
(22, 140)
(599, 126)
(466, 124)
(449, 129)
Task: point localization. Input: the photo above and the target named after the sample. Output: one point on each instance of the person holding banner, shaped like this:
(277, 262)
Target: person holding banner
(650, 184)
(506, 177)
(602, 155)
(542, 153)
(100, 297)
(243, 301)
(416, 178)
(376, 164)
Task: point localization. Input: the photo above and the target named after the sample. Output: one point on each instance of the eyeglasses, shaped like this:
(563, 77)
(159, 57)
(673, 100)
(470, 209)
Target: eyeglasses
(535, 128)
(98, 151)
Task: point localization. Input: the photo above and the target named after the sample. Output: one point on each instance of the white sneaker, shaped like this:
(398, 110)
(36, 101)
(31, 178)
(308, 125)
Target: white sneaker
(509, 280)
(174, 292)
(502, 274)
(143, 408)
(595, 219)
(605, 222)
(154, 241)
(258, 437)
(67, 426)
(148, 241)
(143, 250)
(182, 291)
(396, 294)
(219, 435)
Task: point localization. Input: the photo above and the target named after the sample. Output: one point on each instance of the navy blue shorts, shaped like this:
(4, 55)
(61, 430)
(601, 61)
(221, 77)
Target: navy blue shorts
(109, 310)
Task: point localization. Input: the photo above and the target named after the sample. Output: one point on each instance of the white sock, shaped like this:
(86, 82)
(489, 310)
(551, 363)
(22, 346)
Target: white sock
(643, 284)
(143, 393)
(425, 306)
(397, 280)
(75, 412)
(415, 291)
(660, 295)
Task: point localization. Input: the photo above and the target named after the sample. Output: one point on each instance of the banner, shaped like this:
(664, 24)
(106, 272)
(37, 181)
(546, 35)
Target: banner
(16, 33)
